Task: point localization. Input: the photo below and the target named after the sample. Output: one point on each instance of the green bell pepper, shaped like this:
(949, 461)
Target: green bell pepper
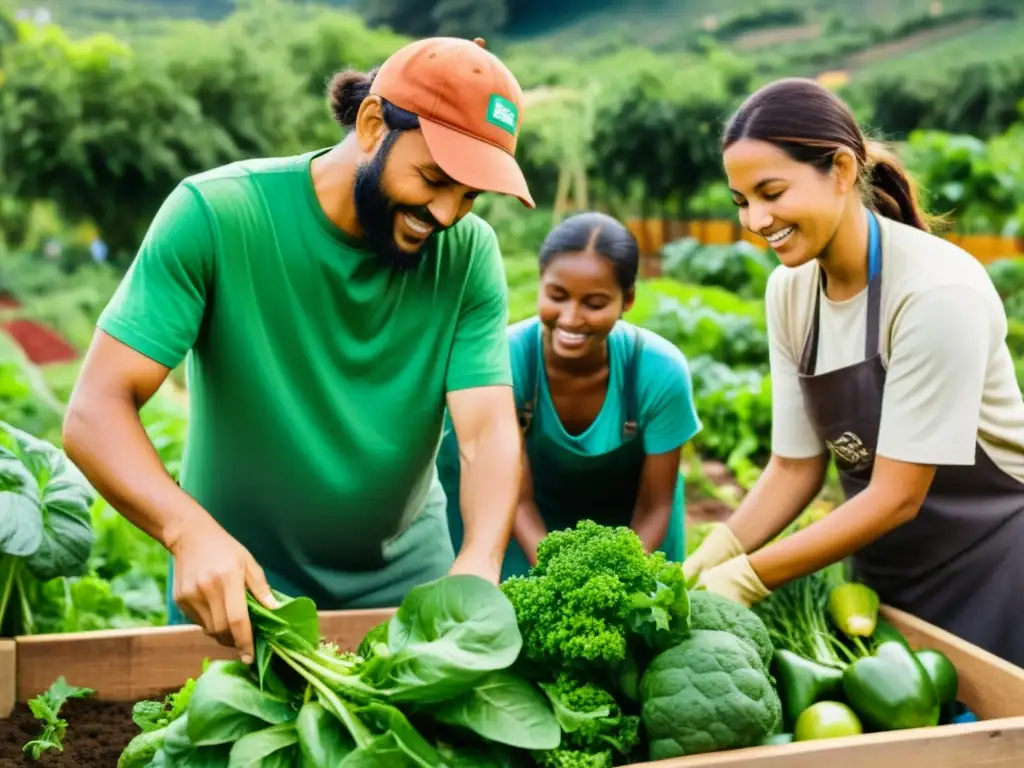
(944, 677)
(801, 682)
(886, 632)
(891, 689)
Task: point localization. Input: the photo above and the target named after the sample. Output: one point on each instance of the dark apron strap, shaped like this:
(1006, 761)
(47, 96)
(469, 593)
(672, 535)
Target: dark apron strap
(531, 373)
(809, 357)
(531, 383)
(629, 387)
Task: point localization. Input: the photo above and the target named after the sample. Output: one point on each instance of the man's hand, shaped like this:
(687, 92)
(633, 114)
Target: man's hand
(474, 565)
(211, 574)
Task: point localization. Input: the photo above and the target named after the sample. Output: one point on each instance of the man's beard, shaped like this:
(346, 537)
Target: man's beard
(376, 213)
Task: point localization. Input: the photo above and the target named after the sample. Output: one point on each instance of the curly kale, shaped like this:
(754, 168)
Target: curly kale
(593, 591)
(595, 731)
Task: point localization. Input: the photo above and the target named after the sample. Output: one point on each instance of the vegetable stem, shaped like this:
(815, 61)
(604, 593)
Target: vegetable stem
(8, 575)
(360, 733)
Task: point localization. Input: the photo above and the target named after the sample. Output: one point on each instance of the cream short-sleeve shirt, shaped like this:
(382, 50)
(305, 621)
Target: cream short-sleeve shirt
(950, 381)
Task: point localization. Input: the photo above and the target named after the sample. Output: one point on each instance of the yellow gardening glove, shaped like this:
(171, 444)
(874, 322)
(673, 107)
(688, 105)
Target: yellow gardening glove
(736, 580)
(718, 546)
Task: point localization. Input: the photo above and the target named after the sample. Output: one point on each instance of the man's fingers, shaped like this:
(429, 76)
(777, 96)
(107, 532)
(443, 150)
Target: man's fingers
(256, 582)
(236, 613)
(190, 613)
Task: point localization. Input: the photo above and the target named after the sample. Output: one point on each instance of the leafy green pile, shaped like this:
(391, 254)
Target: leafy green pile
(436, 684)
(580, 663)
(602, 622)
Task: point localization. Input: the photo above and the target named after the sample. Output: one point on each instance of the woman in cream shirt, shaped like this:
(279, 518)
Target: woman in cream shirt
(888, 355)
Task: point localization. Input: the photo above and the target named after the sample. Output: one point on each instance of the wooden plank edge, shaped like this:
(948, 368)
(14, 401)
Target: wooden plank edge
(330, 621)
(991, 743)
(136, 663)
(8, 677)
(991, 687)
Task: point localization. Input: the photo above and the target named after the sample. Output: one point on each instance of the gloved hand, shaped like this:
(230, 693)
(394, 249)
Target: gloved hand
(718, 546)
(736, 580)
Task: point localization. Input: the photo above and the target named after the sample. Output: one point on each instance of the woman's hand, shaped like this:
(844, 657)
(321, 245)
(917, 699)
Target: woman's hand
(736, 580)
(718, 546)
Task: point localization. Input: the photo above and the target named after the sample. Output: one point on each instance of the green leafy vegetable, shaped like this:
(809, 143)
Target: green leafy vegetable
(440, 668)
(45, 529)
(708, 693)
(46, 707)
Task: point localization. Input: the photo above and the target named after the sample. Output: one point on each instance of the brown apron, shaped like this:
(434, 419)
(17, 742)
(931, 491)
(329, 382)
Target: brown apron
(960, 563)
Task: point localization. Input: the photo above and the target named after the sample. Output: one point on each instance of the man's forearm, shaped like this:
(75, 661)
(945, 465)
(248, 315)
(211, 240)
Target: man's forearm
(110, 446)
(491, 475)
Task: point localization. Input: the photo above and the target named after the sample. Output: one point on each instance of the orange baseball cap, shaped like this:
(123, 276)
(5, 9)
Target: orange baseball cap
(469, 105)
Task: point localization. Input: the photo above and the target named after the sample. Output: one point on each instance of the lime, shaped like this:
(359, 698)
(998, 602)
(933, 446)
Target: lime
(827, 720)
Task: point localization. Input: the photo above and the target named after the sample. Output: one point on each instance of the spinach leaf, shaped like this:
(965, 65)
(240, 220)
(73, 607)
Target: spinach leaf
(322, 742)
(398, 745)
(273, 747)
(505, 708)
(227, 703)
(446, 635)
(178, 752)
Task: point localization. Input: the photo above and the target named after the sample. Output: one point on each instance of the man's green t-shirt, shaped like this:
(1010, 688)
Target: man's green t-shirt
(317, 375)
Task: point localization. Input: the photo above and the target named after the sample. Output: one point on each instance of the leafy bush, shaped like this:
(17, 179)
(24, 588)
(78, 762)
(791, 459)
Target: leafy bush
(741, 268)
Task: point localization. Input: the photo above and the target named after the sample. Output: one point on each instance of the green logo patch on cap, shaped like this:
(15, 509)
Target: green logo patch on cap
(502, 113)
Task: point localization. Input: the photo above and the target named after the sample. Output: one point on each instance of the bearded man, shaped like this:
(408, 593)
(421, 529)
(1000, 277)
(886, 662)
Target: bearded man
(330, 307)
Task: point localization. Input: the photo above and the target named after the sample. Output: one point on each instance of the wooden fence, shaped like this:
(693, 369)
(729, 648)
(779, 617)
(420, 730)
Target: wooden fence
(653, 234)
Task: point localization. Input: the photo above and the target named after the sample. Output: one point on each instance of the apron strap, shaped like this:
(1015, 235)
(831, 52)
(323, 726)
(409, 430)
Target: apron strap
(629, 387)
(809, 356)
(531, 373)
(526, 407)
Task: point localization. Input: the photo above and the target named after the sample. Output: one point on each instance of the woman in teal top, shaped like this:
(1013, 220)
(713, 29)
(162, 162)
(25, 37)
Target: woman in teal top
(605, 406)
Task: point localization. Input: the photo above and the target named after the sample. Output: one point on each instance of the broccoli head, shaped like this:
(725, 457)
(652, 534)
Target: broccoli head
(711, 611)
(592, 591)
(709, 693)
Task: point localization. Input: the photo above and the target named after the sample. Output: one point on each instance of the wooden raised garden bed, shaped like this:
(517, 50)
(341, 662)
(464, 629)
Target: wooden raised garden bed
(125, 666)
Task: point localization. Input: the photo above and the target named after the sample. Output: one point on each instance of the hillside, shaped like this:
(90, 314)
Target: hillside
(792, 36)
(795, 36)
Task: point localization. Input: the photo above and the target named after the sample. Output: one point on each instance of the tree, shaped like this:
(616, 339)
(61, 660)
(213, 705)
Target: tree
(424, 18)
(101, 132)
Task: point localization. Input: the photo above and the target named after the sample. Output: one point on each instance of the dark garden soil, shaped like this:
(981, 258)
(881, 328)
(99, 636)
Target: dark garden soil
(97, 733)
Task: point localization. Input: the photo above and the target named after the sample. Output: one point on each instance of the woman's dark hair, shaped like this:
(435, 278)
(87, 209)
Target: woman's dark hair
(601, 234)
(810, 124)
(346, 93)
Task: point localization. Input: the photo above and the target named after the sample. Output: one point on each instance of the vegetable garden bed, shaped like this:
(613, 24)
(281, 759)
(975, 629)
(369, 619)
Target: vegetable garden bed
(125, 666)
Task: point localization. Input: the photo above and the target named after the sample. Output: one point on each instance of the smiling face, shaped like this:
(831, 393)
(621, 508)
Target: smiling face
(403, 198)
(579, 302)
(797, 207)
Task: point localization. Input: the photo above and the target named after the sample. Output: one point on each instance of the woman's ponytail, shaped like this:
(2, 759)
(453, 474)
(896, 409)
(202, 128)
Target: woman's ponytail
(892, 190)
